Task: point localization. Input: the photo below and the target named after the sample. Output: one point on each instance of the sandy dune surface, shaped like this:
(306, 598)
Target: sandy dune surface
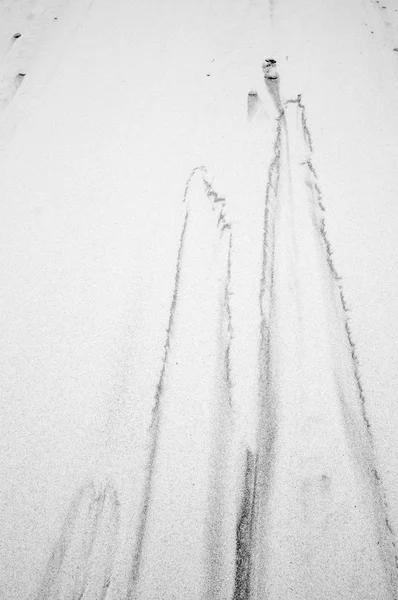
(198, 307)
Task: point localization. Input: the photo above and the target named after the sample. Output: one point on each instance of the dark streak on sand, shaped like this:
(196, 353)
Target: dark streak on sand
(155, 422)
(244, 533)
(219, 503)
(96, 512)
(227, 304)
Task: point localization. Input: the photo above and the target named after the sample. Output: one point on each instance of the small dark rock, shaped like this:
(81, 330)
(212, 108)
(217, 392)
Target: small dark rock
(16, 35)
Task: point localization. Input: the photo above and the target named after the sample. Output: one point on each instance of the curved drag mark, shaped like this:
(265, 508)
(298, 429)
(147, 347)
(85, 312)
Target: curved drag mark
(318, 501)
(81, 564)
(217, 204)
(202, 169)
(155, 422)
(367, 458)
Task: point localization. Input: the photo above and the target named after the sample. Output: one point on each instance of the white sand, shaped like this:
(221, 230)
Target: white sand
(105, 110)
